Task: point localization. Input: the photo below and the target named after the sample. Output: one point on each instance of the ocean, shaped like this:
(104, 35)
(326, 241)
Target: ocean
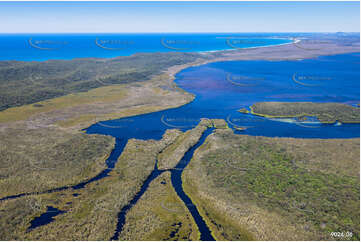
(42, 47)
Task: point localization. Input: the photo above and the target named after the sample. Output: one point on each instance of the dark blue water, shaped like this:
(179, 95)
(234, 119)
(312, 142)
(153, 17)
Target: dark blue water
(110, 162)
(40, 47)
(176, 178)
(45, 218)
(223, 88)
(123, 212)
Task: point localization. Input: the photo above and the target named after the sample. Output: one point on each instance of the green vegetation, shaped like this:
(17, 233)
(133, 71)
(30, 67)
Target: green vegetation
(247, 178)
(222, 227)
(170, 156)
(79, 110)
(93, 214)
(34, 160)
(42, 148)
(160, 215)
(325, 112)
(30, 82)
(43, 105)
(98, 95)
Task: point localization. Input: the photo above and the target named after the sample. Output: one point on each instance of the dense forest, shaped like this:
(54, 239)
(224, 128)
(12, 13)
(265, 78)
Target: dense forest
(29, 82)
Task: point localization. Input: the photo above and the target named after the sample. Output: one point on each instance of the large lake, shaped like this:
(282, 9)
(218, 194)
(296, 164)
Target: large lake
(220, 89)
(223, 88)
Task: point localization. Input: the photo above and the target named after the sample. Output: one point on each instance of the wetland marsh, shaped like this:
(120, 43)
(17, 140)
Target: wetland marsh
(166, 135)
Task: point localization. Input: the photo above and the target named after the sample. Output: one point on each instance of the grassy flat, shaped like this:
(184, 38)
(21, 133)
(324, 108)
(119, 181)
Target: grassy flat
(43, 141)
(98, 95)
(34, 160)
(30, 82)
(276, 188)
(325, 112)
(92, 215)
(170, 156)
(160, 215)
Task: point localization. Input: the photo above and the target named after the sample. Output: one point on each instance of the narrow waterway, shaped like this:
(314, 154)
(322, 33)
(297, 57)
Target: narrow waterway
(123, 212)
(221, 89)
(110, 162)
(176, 178)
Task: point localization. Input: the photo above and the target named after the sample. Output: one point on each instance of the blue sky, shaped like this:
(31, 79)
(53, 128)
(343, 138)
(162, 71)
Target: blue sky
(116, 17)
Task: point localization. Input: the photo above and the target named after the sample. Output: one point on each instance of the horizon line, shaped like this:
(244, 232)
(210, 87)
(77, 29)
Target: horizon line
(324, 32)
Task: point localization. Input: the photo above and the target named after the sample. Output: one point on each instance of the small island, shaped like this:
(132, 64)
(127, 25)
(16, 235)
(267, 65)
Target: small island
(324, 112)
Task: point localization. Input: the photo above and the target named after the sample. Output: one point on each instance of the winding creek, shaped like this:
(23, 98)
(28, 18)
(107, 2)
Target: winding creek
(176, 178)
(221, 89)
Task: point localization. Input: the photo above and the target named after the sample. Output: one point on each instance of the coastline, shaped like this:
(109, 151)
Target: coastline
(136, 108)
(281, 52)
(143, 52)
(295, 41)
(234, 55)
(174, 70)
(48, 119)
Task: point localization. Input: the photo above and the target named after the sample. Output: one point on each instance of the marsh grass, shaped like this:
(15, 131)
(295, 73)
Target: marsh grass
(30, 82)
(92, 215)
(160, 215)
(271, 180)
(170, 157)
(325, 112)
(40, 159)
